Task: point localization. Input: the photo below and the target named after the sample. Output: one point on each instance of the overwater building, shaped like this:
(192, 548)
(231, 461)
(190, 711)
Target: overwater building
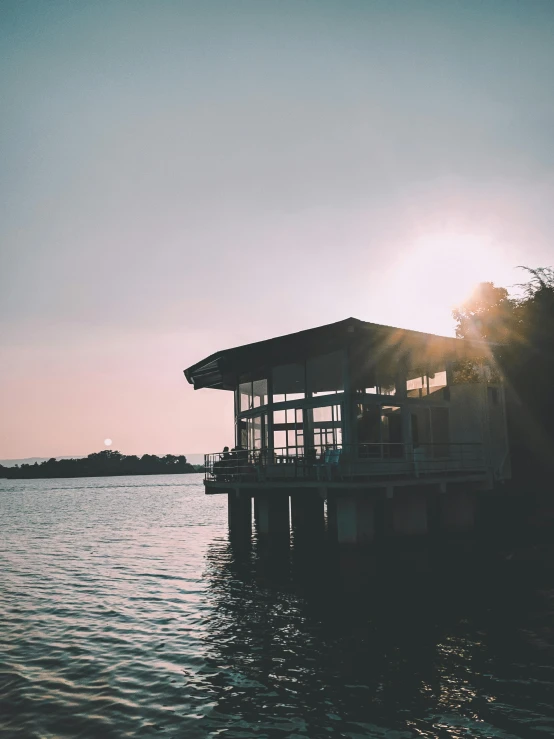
(397, 431)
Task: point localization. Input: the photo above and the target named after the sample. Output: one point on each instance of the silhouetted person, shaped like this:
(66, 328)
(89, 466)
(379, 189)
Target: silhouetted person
(225, 463)
(241, 458)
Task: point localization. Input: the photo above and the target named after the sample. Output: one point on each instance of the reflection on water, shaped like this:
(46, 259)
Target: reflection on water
(125, 611)
(441, 653)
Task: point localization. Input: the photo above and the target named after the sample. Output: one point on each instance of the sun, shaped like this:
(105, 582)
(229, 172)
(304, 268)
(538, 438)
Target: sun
(437, 273)
(107, 442)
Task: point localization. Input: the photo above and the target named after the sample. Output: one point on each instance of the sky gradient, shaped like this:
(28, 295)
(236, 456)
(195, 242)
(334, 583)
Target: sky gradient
(182, 177)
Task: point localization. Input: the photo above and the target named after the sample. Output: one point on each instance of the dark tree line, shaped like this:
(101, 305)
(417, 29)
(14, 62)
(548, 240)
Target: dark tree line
(523, 330)
(102, 464)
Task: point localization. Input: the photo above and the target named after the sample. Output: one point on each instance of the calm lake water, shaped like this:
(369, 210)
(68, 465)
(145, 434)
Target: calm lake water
(125, 611)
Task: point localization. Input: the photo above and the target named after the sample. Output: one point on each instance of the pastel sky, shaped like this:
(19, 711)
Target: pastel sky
(180, 177)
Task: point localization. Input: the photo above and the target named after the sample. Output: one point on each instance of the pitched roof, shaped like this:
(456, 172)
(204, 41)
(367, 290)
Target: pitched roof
(221, 369)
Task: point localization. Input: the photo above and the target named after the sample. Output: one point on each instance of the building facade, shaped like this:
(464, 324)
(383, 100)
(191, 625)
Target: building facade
(358, 408)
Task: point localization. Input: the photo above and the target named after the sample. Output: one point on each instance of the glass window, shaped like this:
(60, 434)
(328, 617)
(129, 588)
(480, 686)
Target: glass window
(368, 423)
(379, 431)
(323, 414)
(417, 387)
(265, 444)
(376, 380)
(325, 374)
(436, 381)
(421, 427)
(259, 392)
(294, 415)
(426, 384)
(363, 372)
(243, 434)
(253, 432)
(325, 424)
(382, 387)
(256, 432)
(288, 382)
(279, 440)
(245, 395)
(288, 430)
(252, 395)
(391, 431)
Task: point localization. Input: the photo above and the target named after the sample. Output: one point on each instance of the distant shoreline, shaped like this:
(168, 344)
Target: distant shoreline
(107, 474)
(102, 464)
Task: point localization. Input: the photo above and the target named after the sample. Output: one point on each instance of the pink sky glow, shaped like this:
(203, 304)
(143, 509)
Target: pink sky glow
(180, 178)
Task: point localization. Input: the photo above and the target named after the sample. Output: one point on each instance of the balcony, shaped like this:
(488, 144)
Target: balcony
(339, 463)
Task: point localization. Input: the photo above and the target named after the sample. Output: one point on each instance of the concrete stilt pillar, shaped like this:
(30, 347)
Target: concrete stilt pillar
(457, 511)
(332, 517)
(366, 519)
(307, 513)
(387, 518)
(434, 525)
(354, 519)
(239, 514)
(273, 515)
(410, 512)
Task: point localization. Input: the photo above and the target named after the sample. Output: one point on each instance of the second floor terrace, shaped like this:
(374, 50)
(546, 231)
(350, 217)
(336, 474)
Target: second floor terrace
(369, 463)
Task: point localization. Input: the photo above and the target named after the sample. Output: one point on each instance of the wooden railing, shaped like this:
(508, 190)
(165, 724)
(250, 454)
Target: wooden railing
(343, 462)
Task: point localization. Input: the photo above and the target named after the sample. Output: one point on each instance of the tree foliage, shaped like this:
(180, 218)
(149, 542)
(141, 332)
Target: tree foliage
(493, 315)
(488, 314)
(524, 328)
(102, 464)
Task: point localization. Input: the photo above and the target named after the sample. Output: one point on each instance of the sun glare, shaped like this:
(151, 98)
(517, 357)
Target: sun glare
(437, 274)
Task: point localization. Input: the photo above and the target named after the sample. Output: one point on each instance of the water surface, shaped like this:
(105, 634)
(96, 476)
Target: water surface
(126, 612)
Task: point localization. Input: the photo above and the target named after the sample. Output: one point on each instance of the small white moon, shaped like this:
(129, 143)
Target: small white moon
(107, 442)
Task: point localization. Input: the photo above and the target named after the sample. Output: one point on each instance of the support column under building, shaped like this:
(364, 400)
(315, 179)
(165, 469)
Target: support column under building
(457, 510)
(409, 512)
(307, 514)
(331, 517)
(272, 515)
(239, 514)
(352, 518)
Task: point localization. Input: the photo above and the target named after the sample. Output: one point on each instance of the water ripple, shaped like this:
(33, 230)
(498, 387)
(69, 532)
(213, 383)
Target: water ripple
(125, 612)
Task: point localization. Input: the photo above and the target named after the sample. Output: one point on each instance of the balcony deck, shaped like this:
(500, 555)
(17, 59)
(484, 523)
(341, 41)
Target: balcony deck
(363, 466)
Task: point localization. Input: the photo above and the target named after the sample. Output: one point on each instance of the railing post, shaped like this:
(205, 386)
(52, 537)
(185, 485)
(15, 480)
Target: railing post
(405, 413)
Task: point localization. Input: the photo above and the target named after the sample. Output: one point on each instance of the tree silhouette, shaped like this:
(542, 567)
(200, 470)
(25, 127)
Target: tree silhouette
(524, 330)
(488, 314)
(101, 464)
